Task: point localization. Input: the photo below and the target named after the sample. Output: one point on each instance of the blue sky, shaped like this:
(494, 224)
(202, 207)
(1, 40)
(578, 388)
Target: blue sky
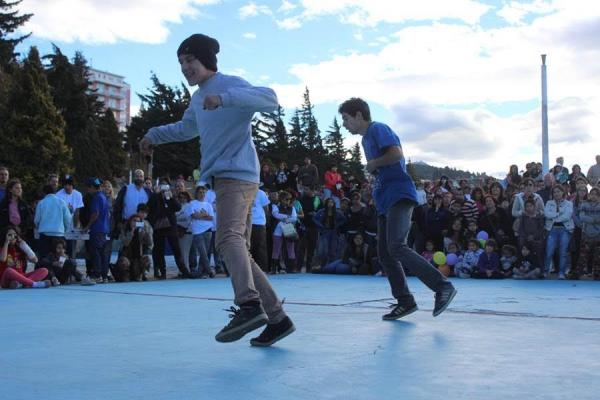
(457, 79)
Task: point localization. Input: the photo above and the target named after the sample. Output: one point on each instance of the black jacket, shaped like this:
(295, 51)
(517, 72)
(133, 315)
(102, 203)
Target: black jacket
(24, 212)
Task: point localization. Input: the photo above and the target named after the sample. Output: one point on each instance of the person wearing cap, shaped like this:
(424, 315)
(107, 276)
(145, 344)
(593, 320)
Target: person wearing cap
(220, 114)
(52, 219)
(98, 227)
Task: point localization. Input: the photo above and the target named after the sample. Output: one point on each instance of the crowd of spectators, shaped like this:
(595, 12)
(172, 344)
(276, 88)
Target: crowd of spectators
(528, 225)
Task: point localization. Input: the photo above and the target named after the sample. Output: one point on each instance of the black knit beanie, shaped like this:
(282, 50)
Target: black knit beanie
(203, 47)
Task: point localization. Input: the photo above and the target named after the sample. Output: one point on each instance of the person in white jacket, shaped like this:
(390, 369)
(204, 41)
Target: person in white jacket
(559, 225)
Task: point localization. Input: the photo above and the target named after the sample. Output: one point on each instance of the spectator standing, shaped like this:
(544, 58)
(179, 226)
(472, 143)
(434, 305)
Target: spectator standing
(332, 179)
(329, 220)
(128, 199)
(559, 225)
(546, 192)
(99, 229)
(593, 175)
(590, 240)
(267, 177)
(14, 210)
(308, 174)
(282, 178)
(163, 207)
(561, 173)
(4, 176)
(202, 214)
(311, 204)
(258, 240)
(52, 219)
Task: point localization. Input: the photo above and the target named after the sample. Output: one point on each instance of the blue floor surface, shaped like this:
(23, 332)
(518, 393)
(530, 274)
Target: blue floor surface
(155, 340)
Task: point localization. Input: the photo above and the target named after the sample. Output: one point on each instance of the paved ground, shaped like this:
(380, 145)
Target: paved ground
(155, 340)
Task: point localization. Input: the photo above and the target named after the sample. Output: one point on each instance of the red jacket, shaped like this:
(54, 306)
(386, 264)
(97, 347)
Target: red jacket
(331, 178)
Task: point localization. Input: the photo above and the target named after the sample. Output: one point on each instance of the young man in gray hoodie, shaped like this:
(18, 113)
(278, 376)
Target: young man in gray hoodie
(220, 113)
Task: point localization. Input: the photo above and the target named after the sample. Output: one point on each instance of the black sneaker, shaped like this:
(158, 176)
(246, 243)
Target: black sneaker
(243, 320)
(443, 299)
(400, 310)
(274, 333)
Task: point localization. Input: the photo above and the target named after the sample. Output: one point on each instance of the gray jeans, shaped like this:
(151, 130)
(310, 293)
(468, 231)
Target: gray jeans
(394, 253)
(234, 225)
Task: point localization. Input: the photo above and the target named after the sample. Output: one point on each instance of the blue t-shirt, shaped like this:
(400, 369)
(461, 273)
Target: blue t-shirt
(2, 193)
(392, 182)
(99, 205)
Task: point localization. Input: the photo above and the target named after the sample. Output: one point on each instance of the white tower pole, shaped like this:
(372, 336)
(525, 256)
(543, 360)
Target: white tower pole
(545, 162)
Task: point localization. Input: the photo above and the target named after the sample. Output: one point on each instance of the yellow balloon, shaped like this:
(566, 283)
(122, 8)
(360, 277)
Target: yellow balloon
(439, 258)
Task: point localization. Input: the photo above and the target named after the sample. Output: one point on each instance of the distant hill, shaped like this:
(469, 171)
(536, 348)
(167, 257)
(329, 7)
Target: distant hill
(420, 170)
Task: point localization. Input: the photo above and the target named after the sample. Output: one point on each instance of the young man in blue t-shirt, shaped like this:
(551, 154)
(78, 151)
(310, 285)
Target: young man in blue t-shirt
(395, 197)
(98, 227)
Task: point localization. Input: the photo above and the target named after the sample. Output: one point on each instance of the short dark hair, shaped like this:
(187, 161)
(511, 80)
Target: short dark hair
(354, 105)
(143, 207)
(48, 189)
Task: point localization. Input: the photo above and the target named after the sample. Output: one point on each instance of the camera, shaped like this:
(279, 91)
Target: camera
(164, 188)
(139, 224)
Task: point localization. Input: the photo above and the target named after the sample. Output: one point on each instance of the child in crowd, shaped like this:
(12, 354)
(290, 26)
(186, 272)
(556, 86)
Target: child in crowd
(60, 267)
(528, 266)
(508, 260)
(471, 231)
(428, 252)
(453, 252)
(488, 266)
(464, 268)
(14, 255)
(590, 237)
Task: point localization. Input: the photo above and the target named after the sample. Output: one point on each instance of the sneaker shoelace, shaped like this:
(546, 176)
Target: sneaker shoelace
(233, 312)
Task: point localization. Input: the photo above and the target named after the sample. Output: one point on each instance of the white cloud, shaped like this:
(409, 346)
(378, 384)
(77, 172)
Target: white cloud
(358, 36)
(289, 23)
(107, 21)
(249, 35)
(438, 80)
(372, 12)
(252, 10)
(287, 6)
(515, 12)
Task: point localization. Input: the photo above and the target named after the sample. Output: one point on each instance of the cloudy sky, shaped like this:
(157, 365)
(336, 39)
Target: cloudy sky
(458, 80)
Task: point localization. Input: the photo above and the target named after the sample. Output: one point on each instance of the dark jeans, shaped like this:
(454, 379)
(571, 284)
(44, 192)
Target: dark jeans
(394, 252)
(97, 248)
(158, 252)
(258, 246)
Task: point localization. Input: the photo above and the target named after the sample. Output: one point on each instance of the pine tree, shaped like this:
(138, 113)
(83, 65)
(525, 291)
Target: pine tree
(310, 128)
(114, 158)
(162, 106)
(33, 142)
(263, 130)
(82, 113)
(10, 21)
(334, 144)
(296, 138)
(355, 165)
(279, 147)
